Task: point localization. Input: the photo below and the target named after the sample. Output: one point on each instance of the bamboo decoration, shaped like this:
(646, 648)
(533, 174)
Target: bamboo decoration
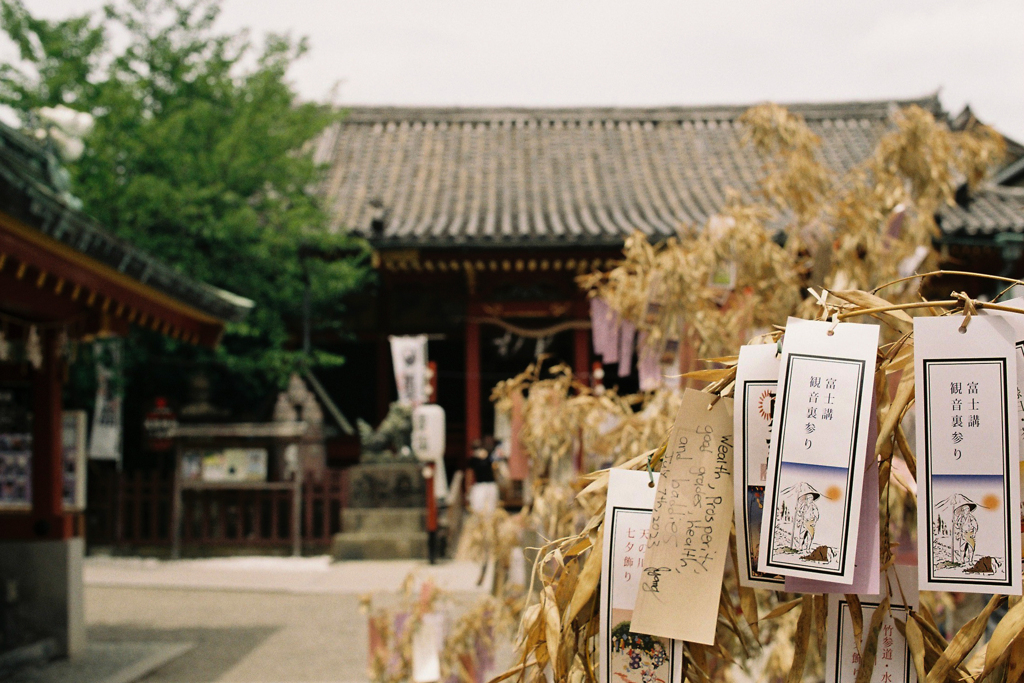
(817, 243)
(560, 629)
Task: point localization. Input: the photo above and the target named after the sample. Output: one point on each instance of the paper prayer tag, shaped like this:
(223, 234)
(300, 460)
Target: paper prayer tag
(818, 450)
(893, 662)
(968, 465)
(626, 656)
(757, 373)
(867, 557)
(690, 525)
(1016, 321)
(427, 641)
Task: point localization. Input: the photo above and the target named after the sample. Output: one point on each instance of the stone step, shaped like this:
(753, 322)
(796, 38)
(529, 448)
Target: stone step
(361, 545)
(387, 520)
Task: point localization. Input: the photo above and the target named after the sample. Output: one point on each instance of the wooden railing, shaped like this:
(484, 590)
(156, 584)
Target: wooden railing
(134, 509)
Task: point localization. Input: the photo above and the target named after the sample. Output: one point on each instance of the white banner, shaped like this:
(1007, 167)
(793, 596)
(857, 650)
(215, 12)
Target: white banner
(409, 358)
(105, 441)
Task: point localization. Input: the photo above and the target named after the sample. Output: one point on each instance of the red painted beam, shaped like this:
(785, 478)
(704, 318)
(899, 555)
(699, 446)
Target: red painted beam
(57, 260)
(522, 309)
(472, 384)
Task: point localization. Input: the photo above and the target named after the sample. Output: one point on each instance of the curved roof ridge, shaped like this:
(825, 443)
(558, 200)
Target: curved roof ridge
(879, 109)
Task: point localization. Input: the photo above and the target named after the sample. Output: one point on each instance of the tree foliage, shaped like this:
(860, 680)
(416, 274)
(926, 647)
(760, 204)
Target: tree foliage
(200, 154)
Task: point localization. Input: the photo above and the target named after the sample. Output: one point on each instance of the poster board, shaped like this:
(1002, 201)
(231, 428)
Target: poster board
(15, 448)
(75, 455)
(224, 465)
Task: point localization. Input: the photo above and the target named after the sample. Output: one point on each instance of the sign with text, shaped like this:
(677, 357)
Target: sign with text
(818, 451)
(1016, 321)
(893, 662)
(757, 373)
(690, 525)
(968, 503)
(627, 656)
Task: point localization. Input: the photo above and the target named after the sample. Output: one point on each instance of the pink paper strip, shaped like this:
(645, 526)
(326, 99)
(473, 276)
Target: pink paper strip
(627, 337)
(648, 365)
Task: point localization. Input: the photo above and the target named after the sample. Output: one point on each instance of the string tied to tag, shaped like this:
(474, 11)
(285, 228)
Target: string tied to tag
(968, 306)
(650, 472)
(822, 300)
(834, 325)
(714, 400)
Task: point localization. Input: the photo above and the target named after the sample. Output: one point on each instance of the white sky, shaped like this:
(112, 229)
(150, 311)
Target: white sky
(646, 52)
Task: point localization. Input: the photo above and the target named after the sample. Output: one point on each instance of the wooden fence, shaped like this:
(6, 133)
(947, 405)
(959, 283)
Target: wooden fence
(134, 509)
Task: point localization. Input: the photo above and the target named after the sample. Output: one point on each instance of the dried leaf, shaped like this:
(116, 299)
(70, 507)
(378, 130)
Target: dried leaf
(552, 630)
(915, 641)
(802, 639)
(820, 620)
(963, 642)
(1015, 667)
(870, 648)
(586, 585)
(892, 417)
(857, 617)
(782, 609)
(1007, 630)
(748, 602)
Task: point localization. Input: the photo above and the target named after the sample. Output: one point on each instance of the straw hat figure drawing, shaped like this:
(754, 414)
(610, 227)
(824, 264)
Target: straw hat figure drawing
(805, 518)
(965, 530)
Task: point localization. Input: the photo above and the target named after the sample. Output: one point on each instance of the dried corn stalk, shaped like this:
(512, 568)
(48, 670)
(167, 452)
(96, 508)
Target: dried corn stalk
(813, 225)
(469, 644)
(842, 229)
(560, 630)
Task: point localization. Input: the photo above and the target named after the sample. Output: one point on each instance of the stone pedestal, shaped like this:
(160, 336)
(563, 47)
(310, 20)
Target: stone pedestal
(44, 578)
(386, 517)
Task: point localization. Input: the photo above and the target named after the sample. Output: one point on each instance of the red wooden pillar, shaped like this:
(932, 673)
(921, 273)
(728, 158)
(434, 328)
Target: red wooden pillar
(472, 384)
(49, 520)
(581, 355)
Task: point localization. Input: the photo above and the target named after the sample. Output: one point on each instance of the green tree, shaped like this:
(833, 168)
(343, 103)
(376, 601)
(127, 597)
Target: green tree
(200, 154)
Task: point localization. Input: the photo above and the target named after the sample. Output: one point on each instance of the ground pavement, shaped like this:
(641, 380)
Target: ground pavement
(244, 620)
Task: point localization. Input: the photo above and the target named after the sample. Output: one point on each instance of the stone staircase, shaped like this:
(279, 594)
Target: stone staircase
(387, 516)
(381, 534)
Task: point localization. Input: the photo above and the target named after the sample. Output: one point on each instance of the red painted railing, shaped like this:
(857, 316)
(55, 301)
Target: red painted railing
(134, 509)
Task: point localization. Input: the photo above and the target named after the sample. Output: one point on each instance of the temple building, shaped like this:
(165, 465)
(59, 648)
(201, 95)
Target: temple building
(480, 219)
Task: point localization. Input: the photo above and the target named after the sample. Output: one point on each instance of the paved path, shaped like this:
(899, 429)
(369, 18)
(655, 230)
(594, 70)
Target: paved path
(278, 574)
(253, 620)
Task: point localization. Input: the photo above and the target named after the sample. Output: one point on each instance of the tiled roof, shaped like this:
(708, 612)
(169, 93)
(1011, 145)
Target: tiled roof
(550, 177)
(992, 209)
(34, 173)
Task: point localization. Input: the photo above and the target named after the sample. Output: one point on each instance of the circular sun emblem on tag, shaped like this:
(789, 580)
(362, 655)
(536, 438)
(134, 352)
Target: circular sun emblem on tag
(764, 404)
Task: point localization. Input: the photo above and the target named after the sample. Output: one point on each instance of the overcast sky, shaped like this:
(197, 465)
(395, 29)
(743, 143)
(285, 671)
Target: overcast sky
(646, 52)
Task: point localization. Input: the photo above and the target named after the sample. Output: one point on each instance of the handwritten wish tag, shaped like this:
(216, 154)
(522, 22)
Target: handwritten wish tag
(968, 467)
(756, 376)
(690, 525)
(627, 656)
(818, 450)
(893, 661)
